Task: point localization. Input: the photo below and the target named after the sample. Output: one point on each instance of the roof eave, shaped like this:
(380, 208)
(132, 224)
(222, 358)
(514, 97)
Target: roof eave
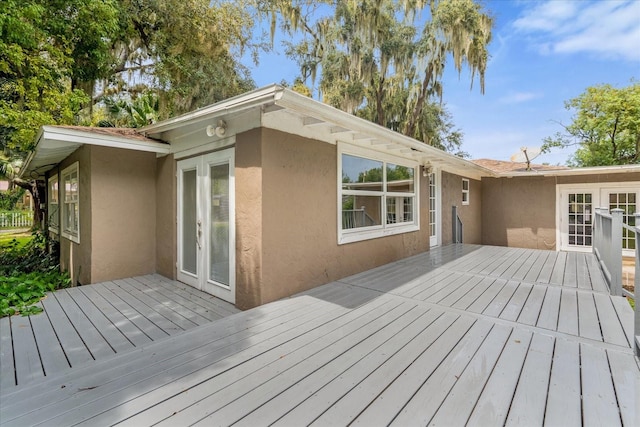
(596, 170)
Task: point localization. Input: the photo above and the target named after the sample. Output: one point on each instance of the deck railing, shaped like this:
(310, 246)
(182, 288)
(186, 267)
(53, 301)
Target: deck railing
(456, 224)
(607, 246)
(16, 219)
(636, 300)
(354, 218)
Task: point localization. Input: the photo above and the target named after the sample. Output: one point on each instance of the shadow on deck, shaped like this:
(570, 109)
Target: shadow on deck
(460, 335)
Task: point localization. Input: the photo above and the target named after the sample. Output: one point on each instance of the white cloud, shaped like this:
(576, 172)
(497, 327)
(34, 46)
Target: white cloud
(610, 29)
(519, 97)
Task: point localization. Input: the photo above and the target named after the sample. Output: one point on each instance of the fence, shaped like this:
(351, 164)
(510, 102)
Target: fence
(607, 246)
(16, 219)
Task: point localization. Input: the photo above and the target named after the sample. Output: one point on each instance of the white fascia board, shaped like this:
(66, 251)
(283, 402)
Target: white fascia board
(596, 170)
(58, 134)
(327, 113)
(258, 97)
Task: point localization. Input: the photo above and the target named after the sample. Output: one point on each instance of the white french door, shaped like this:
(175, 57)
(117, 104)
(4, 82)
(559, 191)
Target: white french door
(434, 209)
(206, 223)
(577, 205)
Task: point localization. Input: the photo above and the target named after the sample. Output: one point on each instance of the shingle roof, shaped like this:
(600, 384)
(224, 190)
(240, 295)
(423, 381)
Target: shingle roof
(121, 132)
(502, 166)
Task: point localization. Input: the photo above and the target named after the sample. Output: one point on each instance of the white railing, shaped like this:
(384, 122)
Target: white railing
(456, 224)
(17, 219)
(354, 218)
(607, 246)
(636, 300)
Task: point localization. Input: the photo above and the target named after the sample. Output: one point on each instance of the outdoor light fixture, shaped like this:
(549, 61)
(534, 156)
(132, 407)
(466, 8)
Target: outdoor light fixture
(427, 169)
(219, 130)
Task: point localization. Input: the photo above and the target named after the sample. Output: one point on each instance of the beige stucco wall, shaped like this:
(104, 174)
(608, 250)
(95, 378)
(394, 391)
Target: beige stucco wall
(519, 212)
(123, 206)
(471, 214)
(249, 227)
(117, 215)
(166, 232)
(286, 216)
(76, 257)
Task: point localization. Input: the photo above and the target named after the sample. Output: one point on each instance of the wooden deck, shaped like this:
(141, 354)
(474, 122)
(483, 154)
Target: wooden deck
(88, 323)
(461, 335)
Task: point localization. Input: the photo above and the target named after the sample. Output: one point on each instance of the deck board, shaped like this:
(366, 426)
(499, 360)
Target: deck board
(459, 335)
(529, 400)
(564, 396)
(88, 323)
(7, 369)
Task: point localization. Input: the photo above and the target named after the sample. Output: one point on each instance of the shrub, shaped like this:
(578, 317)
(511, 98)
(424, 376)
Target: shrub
(27, 272)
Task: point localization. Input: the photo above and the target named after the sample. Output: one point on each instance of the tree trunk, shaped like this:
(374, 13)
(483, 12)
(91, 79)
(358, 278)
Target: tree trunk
(38, 193)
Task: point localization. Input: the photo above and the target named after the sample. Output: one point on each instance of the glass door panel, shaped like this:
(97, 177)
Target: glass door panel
(189, 222)
(627, 202)
(219, 233)
(580, 209)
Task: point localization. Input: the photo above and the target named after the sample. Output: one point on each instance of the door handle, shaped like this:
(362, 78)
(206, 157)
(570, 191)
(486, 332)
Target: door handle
(199, 233)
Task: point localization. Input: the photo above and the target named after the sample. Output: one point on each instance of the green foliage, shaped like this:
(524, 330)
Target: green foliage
(27, 271)
(9, 198)
(376, 62)
(605, 127)
(44, 48)
(21, 292)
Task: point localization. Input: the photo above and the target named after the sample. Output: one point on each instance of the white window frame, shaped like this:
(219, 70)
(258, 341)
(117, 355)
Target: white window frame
(384, 229)
(71, 233)
(53, 199)
(466, 193)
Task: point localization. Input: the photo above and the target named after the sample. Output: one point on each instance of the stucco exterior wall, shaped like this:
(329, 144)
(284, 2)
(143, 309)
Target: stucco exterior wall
(123, 205)
(76, 257)
(166, 232)
(471, 214)
(299, 220)
(519, 212)
(249, 227)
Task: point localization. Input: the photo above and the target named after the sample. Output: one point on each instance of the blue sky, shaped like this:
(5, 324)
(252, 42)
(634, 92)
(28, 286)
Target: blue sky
(542, 53)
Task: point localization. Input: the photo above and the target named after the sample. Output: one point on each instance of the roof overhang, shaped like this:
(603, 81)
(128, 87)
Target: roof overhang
(55, 143)
(595, 170)
(275, 107)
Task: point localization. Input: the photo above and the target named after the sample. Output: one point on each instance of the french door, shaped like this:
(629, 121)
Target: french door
(577, 206)
(206, 223)
(434, 209)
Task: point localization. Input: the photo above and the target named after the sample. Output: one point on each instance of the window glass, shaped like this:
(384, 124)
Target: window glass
(361, 211)
(361, 174)
(70, 208)
(53, 213)
(400, 178)
(375, 195)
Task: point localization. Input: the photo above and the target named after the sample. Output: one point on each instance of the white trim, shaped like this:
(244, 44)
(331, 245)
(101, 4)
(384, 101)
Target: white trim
(384, 229)
(73, 235)
(200, 280)
(437, 239)
(599, 190)
(467, 192)
(52, 178)
(77, 136)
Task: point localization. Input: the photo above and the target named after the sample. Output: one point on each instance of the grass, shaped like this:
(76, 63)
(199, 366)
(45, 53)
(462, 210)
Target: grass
(6, 239)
